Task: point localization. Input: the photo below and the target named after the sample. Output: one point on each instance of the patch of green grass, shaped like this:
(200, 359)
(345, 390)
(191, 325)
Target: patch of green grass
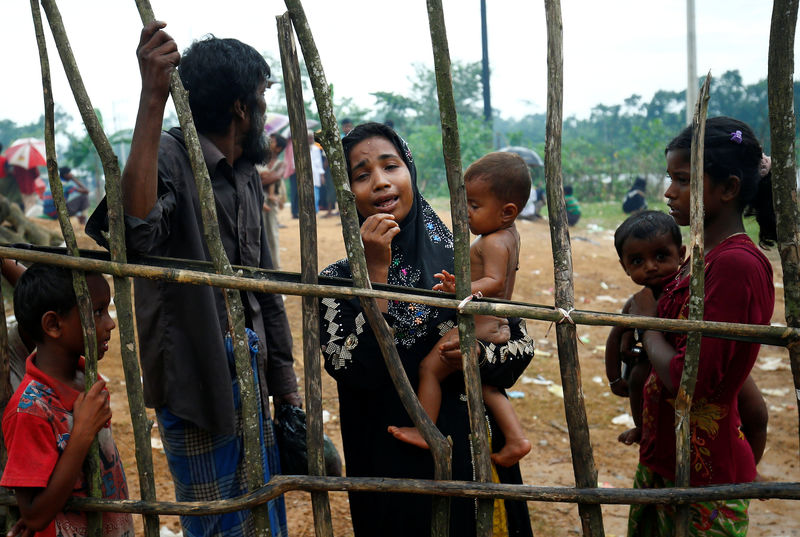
(607, 214)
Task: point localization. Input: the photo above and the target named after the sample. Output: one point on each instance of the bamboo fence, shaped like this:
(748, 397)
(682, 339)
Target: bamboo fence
(220, 273)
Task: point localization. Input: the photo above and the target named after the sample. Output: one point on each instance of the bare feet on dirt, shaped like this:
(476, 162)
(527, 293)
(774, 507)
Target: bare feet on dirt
(631, 436)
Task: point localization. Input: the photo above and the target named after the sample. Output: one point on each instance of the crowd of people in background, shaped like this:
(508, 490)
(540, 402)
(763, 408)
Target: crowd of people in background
(27, 188)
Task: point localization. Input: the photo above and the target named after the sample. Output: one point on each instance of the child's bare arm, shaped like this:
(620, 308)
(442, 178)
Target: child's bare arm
(11, 270)
(39, 506)
(613, 366)
(754, 416)
(495, 251)
(618, 338)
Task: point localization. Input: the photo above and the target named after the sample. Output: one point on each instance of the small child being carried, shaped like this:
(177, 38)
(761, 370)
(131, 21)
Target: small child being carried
(50, 421)
(497, 187)
(651, 252)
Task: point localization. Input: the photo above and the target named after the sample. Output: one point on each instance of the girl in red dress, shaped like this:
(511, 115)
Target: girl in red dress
(739, 289)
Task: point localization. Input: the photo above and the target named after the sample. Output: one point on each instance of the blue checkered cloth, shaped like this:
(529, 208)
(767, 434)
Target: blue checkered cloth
(207, 467)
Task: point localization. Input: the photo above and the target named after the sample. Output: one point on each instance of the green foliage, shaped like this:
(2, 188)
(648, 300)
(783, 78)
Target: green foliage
(10, 131)
(602, 154)
(426, 145)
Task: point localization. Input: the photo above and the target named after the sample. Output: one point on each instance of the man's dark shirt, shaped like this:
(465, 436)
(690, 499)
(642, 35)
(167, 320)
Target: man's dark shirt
(181, 326)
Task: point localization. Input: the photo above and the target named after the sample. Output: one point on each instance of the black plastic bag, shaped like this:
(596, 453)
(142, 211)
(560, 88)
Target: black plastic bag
(290, 433)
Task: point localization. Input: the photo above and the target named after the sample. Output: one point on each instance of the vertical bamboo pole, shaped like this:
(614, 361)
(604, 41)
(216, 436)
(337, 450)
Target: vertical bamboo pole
(683, 400)
(309, 268)
(95, 523)
(329, 138)
(784, 165)
(122, 288)
(233, 301)
(579, 441)
(479, 435)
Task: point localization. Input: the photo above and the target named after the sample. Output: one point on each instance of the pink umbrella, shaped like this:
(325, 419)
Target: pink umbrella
(27, 153)
(279, 123)
(275, 122)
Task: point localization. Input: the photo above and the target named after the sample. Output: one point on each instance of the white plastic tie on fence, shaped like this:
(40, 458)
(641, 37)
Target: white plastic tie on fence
(467, 299)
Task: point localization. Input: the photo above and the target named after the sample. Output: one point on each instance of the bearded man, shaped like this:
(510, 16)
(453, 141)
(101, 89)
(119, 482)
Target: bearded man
(188, 373)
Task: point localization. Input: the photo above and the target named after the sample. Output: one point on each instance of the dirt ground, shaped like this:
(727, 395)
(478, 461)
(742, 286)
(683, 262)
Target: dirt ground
(600, 285)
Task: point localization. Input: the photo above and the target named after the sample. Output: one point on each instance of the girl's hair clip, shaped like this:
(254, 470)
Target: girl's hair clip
(736, 136)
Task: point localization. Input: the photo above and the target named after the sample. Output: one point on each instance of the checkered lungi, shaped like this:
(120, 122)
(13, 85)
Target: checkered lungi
(207, 467)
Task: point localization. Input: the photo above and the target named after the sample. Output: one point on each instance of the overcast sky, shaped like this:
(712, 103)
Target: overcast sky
(612, 49)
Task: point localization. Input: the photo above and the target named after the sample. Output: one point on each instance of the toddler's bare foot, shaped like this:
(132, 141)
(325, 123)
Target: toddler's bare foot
(512, 452)
(409, 435)
(631, 436)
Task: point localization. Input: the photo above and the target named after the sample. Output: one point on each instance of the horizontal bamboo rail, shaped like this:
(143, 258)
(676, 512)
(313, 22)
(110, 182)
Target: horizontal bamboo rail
(772, 335)
(465, 489)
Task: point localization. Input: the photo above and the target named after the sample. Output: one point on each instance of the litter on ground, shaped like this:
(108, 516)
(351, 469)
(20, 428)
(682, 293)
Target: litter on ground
(623, 419)
(775, 392)
(772, 363)
(538, 380)
(607, 298)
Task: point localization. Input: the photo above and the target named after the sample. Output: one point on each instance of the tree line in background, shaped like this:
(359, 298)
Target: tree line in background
(601, 153)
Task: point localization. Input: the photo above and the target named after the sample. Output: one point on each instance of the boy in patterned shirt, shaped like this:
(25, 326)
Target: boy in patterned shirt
(50, 422)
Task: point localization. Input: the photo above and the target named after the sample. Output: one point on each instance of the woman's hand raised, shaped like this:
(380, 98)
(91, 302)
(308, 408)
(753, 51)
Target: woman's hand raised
(377, 232)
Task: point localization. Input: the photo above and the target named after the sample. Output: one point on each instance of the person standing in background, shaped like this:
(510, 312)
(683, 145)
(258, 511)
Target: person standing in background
(635, 200)
(317, 170)
(573, 207)
(347, 126)
(26, 182)
(271, 181)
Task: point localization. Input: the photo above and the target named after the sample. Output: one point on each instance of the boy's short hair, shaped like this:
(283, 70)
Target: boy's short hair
(507, 174)
(567, 190)
(646, 225)
(40, 289)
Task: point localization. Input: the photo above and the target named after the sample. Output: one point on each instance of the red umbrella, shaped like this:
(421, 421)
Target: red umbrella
(27, 153)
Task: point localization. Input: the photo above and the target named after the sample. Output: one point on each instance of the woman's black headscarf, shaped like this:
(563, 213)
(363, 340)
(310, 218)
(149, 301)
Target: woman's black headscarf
(423, 247)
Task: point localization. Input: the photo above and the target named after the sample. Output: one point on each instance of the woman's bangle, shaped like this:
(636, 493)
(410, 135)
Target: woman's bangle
(611, 383)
